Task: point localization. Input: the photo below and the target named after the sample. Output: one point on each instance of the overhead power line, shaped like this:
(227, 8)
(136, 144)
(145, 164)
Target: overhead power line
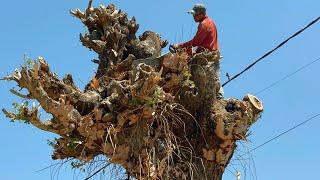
(283, 133)
(270, 52)
(287, 76)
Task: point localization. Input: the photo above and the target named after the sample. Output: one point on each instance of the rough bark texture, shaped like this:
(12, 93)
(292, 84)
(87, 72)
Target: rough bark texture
(158, 121)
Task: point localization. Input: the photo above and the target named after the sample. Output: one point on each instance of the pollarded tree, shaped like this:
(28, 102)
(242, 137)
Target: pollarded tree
(158, 118)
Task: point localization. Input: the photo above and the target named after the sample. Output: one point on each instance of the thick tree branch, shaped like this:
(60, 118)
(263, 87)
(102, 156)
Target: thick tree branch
(13, 91)
(31, 117)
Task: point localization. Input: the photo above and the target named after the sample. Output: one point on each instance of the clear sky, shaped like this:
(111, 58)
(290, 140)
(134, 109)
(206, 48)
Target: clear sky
(247, 29)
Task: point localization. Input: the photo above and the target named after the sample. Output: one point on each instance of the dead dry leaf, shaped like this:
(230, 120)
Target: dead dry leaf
(133, 119)
(94, 83)
(121, 154)
(208, 154)
(147, 113)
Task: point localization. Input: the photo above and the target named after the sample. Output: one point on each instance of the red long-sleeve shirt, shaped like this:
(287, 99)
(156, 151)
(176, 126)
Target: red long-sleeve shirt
(206, 37)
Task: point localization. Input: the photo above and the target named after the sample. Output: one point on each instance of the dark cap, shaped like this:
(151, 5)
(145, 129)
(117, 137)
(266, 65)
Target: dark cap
(198, 9)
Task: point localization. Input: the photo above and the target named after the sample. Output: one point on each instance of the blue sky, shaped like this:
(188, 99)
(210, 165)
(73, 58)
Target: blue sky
(247, 29)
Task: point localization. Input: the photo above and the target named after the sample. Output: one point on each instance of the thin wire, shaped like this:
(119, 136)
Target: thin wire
(95, 173)
(283, 133)
(270, 52)
(287, 76)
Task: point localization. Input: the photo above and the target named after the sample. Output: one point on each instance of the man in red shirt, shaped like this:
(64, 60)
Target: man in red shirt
(205, 39)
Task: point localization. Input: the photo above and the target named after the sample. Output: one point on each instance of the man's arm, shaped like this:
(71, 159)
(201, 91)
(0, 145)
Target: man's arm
(198, 38)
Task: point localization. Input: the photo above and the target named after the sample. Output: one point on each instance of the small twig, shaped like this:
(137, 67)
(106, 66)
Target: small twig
(63, 162)
(90, 4)
(13, 91)
(8, 114)
(7, 78)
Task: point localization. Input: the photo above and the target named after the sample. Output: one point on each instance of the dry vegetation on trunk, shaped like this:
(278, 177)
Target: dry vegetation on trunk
(158, 121)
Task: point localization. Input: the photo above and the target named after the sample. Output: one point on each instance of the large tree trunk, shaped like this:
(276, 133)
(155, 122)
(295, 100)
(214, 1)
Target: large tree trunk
(158, 121)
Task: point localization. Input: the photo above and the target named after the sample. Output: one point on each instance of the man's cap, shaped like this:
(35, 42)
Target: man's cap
(198, 9)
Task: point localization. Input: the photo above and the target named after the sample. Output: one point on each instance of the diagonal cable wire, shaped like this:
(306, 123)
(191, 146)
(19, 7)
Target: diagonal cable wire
(270, 52)
(95, 173)
(287, 76)
(282, 134)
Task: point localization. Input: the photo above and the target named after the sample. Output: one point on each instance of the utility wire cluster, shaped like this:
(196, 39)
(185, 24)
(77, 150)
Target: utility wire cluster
(275, 83)
(278, 81)
(273, 50)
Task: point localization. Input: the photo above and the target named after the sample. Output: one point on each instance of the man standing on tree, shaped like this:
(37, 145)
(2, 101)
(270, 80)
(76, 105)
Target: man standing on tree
(206, 39)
